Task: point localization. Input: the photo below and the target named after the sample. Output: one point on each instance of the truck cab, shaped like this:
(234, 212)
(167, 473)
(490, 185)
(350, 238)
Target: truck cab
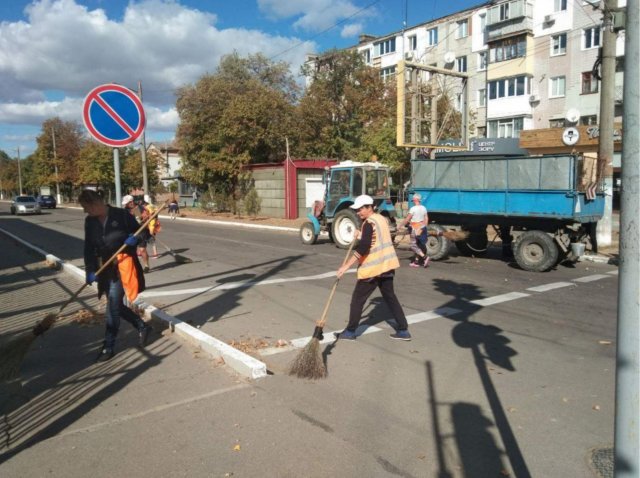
(342, 184)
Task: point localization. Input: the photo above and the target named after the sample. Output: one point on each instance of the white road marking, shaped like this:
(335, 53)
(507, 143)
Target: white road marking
(498, 299)
(238, 285)
(551, 286)
(591, 278)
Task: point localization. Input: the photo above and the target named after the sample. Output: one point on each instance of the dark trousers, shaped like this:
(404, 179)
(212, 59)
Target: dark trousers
(364, 288)
(115, 310)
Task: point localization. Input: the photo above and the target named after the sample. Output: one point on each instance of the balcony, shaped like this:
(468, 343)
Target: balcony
(509, 18)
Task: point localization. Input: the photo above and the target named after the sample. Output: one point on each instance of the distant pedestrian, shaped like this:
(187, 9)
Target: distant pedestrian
(106, 228)
(174, 208)
(138, 211)
(418, 219)
(195, 198)
(377, 261)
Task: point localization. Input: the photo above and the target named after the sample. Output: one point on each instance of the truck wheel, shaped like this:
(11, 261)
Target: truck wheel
(476, 244)
(437, 246)
(536, 251)
(308, 234)
(344, 227)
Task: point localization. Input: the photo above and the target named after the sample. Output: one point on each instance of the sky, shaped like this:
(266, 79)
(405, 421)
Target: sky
(53, 52)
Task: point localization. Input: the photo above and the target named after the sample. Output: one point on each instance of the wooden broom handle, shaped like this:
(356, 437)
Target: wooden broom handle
(323, 318)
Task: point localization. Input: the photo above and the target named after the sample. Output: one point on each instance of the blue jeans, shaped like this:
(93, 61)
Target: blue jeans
(115, 310)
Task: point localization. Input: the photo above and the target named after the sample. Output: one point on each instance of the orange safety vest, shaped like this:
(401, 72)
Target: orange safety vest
(382, 256)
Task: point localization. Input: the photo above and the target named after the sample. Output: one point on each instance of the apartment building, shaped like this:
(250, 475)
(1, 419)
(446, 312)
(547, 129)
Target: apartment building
(530, 62)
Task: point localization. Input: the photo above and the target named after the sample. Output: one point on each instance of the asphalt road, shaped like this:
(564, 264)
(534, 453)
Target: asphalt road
(508, 372)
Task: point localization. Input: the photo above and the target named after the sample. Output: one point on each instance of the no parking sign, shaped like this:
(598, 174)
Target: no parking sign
(114, 115)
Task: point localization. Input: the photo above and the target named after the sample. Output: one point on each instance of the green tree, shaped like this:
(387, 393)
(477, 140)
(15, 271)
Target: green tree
(239, 115)
(69, 141)
(95, 165)
(345, 98)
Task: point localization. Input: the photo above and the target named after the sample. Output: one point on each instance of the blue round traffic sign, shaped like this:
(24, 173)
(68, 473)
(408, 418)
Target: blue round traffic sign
(113, 115)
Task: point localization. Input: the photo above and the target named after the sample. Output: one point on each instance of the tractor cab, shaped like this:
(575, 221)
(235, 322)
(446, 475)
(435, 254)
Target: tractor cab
(343, 183)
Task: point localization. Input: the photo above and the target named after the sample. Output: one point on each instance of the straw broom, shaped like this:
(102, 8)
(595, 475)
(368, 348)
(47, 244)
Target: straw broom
(309, 363)
(12, 352)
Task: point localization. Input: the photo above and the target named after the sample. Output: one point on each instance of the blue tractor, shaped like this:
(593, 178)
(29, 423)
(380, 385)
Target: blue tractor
(342, 184)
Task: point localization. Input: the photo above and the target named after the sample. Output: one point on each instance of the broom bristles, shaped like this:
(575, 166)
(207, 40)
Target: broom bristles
(12, 352)
(12, 355)
(309, 363)
(454, 235)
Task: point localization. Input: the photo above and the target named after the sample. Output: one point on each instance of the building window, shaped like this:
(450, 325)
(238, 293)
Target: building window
(461, 64)
(504, 11)
(559, 5)
(559, 44)
(432, 36)
(482, 60)
(514, 86)
(505, 128)
(413, 42)
(589, 83)
(508, 49)
(482, 131)
(462, 29)
(556, 123)
(591, 120)
(590, 38)
(483, 22)
(366, 55)
(384, 47)
(482, 97)
(386, 73)
(557, 86)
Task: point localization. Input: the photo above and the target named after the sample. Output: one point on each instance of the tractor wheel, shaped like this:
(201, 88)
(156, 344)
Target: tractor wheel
(308, 234)
(344, 227)
(437, 246)
(536, 251)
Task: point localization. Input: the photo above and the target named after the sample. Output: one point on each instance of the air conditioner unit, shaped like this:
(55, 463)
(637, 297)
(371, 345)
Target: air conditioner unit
(549, 19)
(534, 98)
(408, 56)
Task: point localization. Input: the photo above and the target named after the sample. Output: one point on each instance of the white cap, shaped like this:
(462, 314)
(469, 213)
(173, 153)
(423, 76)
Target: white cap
(127, 199)
(360, 201)
(416, 196)
(147, 199)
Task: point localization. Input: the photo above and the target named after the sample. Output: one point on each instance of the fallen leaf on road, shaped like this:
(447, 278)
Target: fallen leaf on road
(565, 399)
(596, 407)
(604, 342)
(236, 448)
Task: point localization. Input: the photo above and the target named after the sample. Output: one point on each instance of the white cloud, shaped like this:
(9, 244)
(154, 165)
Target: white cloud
(315, 15)
(351, 30)
(67, 48)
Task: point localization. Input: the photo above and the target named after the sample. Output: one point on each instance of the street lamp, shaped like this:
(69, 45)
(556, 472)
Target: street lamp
(55, 165)
(19, 172)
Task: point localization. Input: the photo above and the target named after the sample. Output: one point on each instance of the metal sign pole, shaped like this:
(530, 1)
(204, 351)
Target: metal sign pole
(116, 176)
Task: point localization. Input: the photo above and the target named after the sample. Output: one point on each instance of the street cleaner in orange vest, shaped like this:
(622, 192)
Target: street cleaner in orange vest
(107, 228)
(377, 261)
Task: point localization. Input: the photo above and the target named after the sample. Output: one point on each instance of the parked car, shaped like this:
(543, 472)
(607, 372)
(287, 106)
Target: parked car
(25, 205)
(47, 201)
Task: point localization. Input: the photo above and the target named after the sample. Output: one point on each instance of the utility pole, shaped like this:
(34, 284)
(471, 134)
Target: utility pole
(607, 97)
(55, 166)
(19, 172)
(627, 410)
(143, 150)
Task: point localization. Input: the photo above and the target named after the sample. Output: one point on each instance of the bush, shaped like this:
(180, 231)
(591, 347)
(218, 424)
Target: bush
(252, 203)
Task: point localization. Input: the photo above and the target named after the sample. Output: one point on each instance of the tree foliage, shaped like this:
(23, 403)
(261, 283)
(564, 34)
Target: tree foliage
(239, 115)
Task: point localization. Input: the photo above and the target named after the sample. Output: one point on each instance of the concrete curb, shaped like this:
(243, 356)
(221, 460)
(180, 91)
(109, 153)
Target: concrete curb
(242, 363)
(600, 259)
